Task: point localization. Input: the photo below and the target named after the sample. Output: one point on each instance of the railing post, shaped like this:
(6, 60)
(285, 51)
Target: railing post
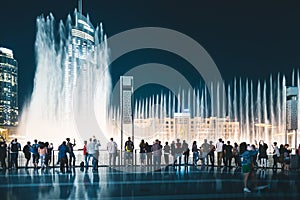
(53, 160)
(135, 157)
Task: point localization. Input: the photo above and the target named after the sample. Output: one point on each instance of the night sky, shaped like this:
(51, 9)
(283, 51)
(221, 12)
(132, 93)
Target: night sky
(250, 40)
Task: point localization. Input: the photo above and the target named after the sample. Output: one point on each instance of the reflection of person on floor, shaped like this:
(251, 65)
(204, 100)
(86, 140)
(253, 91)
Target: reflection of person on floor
(246, 158)
(91, 188)
(66, 184)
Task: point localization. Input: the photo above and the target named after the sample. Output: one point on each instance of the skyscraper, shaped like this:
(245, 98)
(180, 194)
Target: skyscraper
(80, 59)
(8, 88)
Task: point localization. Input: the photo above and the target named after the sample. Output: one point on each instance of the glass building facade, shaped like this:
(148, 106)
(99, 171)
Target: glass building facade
(80, 58)
(8, 88)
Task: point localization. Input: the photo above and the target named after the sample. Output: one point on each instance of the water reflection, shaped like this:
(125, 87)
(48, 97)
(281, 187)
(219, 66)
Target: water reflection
(66, 184)
(111, 183)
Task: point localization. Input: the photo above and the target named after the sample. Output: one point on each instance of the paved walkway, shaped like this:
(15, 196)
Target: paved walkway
(142, 183)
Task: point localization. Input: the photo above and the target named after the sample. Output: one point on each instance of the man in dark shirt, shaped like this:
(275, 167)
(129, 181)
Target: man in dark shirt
(71, 152)
(228, 154)
(14, 147)
(129, 147)
(3, 152)
(186, 152)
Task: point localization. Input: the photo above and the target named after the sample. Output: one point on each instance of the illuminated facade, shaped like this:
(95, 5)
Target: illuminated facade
(184, 127)
(80, 57)
(9, 88)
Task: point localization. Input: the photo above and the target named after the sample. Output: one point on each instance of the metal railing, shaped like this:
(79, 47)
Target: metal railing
(103, 159)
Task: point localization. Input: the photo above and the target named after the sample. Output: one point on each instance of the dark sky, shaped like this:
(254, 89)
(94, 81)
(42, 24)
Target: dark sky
(251, 40)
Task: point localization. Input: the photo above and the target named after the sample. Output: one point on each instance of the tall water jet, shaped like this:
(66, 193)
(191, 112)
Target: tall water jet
(71, 85)
(252, 136)
(278, 104)
(247, 124)
(258, 111)
(235, 109)
(265, 114)
(271, 103)
(241, 116)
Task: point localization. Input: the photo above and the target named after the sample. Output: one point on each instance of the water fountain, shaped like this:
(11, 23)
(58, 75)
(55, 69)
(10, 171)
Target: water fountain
(254, 111)
(71, 84)
(72, 89)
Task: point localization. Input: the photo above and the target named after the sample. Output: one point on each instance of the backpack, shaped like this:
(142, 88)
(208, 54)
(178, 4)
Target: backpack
(235, 151)
(115, 146)
(14, 147)
(129, 145)
(34, 149)
(81, 164)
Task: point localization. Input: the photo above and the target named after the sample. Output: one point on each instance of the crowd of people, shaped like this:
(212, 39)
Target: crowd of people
(227, 155)
(37, 152)
(149, 154)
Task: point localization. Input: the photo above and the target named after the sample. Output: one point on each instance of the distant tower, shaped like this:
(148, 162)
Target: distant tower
(126, 91)
(80, 6)
(8, 88)
(80, 58)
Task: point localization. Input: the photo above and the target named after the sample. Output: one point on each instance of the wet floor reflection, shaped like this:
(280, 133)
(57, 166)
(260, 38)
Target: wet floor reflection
(180, 182)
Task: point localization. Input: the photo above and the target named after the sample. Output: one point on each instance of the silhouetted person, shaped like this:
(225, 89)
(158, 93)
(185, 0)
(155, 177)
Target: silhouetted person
(35, 154)
(262, 150)
(219, 149)
(205, 148)
(3, 152)
(62, 156)
(71, 152)
(228, 154)
(211, 153)
(178, 153)
(112, 151)
(27, 154)
(195, 151)
(186, 152)
(142, 152)
(167, 150)
(276, 155)
(129, 147)
(149, 154)
(14, 148)
(156, 149)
